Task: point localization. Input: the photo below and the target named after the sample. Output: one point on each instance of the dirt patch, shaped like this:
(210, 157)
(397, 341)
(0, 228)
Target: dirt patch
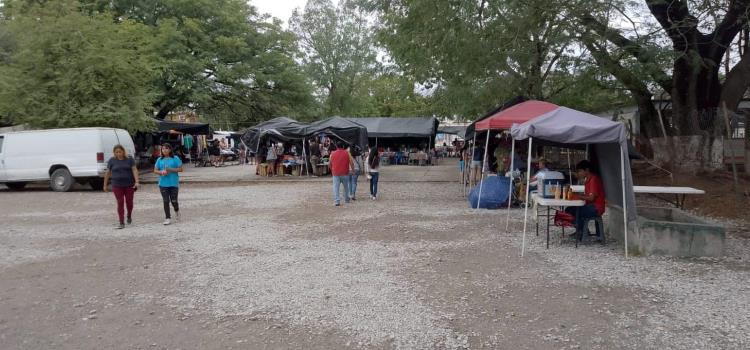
(116, 295)
(278, 266)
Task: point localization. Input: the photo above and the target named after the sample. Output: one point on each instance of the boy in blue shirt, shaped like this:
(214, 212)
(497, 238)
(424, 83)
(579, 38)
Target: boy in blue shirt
(168, 166)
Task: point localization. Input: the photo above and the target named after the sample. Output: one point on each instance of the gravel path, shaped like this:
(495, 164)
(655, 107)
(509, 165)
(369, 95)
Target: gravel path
(277, 266)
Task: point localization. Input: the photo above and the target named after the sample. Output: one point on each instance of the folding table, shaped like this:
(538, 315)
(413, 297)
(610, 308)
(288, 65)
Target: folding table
(679, 192)
(539, 200)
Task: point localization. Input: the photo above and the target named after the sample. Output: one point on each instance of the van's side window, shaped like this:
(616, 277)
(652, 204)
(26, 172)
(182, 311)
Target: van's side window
(1, 143)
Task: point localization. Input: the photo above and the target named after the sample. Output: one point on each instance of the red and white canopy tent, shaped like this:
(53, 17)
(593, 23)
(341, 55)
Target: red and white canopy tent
(567, 126)
(549, 122)
(517, 114)
(504, 120)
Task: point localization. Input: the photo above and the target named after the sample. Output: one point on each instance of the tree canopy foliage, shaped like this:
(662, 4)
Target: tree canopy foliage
(61, 68)
(590, 54)
(340, 55)
(678, 49)
(118, 62)
(478, 53)
(219, 58)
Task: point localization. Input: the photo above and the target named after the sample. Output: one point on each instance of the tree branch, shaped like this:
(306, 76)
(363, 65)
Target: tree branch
(480, 16)
(736, 83)
(674, 16)
(631, 47)
(724, 33)
(552, 62)
(613, 66)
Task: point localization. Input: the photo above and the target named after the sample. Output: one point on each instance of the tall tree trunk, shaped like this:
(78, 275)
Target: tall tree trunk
(696, 92)
(162, 113)
(163, 109)
(332, 98)
(696, 89)
(650, 126)
(734, 88)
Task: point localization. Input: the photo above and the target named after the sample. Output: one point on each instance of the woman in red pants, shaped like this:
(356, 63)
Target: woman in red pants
(121, 169)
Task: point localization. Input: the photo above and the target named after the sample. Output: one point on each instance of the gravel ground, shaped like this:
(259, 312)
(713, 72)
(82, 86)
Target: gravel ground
(277, 266)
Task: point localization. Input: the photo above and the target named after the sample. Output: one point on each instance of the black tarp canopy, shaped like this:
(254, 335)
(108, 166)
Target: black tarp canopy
(279, 129)
(289, 130)
(384, 127)
(343, 129)
(185, 128)
(459, 131)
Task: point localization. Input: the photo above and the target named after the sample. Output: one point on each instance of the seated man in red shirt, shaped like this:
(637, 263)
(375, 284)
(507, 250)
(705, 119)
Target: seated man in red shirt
(341, 166)
(593, 194)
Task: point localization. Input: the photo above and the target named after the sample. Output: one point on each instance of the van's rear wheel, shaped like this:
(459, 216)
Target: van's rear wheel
(16, 186)
(61, 180)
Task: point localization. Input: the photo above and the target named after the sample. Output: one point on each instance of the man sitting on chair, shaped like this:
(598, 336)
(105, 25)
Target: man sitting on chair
(539, 176)
(593, 194)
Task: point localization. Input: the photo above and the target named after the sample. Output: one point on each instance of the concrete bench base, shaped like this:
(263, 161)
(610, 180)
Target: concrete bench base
(669, 232)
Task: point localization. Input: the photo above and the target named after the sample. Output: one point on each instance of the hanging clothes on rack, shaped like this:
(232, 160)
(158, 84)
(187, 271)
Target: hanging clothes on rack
(187, 141)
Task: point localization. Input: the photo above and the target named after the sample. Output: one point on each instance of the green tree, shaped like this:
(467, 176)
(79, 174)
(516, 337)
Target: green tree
(391, 94)
(219, 57)
(338, 54)
(67, 69)
(678, 48)
(478, 53)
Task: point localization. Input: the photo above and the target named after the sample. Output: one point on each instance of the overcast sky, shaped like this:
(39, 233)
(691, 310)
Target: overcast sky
(281, 9)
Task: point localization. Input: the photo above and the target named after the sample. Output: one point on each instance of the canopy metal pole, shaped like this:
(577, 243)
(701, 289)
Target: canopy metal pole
(526, 204)
(510, 185)
(587, 151)
(464, 171)
(304, 157)
(471, 167)
(429, 143)
(624, 200)
(484, 163)
(570, 169)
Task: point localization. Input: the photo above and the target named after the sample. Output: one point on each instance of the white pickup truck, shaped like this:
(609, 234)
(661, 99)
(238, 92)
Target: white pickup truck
(60, 156)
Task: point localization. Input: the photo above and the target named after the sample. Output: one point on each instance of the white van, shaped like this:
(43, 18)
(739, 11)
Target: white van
(60, 156)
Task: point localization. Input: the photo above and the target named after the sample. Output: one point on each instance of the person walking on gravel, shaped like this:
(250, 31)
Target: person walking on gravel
(373, 172)
(341, 167)
(315, 156)
(168, 167)
(354, 174)
(121, 169)
(271, 158)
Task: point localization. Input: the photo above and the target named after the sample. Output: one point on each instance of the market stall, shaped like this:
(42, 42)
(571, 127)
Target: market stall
(400, 135)
(343, 129)
(295, 134)
(504, 120)
(565, 126)
(281, 129)
(188, 139)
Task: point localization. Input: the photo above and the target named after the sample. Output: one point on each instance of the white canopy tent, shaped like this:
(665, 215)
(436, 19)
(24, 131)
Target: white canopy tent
(567, 126)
